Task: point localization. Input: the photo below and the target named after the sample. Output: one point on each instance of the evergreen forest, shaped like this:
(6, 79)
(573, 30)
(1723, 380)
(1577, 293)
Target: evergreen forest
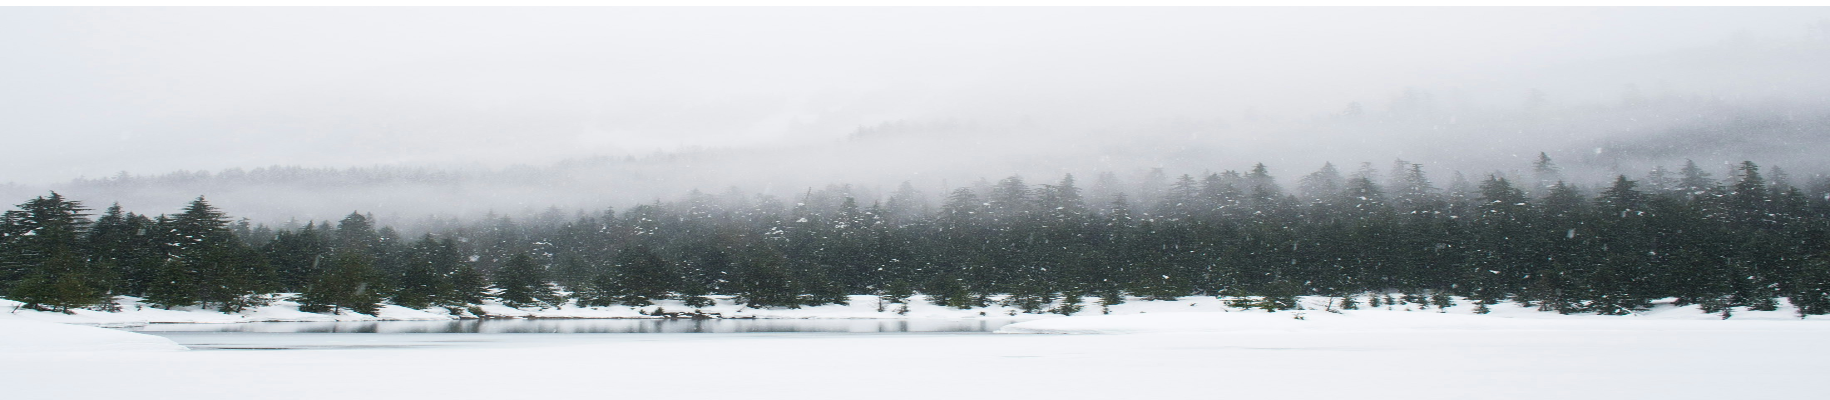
(1746, 239)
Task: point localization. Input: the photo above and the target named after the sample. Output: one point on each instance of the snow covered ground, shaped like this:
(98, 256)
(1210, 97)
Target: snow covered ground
(1586, 358)
(1192, 348)
(27, 336)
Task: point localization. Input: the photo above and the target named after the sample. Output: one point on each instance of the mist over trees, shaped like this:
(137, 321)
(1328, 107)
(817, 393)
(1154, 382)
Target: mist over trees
(575, 83)
(1537, 239)
(1623, 131)
(1574, 160)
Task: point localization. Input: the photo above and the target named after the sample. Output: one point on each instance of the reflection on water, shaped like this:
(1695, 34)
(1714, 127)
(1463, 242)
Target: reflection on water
(598, 326)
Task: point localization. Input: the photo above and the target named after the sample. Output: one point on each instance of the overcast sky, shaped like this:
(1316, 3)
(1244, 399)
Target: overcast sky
(89, 92)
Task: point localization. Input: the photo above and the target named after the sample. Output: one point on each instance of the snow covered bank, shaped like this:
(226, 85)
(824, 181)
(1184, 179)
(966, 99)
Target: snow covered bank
(859, 307)
(19, 335)
(133, 313)
(1363, 321)
(1461, 316)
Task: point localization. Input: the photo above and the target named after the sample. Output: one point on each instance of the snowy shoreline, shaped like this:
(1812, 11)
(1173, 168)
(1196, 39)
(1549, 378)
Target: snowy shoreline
(861, 307)
(135, 313)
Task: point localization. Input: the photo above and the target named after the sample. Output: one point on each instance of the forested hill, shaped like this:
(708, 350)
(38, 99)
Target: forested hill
(1627, 133)
(1742, 240)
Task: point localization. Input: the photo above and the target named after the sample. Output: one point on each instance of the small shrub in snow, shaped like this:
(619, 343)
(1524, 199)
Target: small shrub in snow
(1069, 305)
(1442, 300)
(700, 301)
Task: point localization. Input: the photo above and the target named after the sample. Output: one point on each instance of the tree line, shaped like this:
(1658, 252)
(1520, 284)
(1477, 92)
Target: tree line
(1743, 241)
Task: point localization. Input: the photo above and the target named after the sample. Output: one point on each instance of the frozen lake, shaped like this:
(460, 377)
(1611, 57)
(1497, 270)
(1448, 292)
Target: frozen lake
(498, 332)
(1422, 356)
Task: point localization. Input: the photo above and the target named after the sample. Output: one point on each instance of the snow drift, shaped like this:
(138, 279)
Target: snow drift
(20, 335)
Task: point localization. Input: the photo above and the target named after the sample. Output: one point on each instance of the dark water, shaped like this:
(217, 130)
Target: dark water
(528, 332)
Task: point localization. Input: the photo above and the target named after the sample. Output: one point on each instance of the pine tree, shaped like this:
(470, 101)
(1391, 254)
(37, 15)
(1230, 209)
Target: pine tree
(296, 256)
(222, 269)
(351, 282)
(1150, 191)
(1622, 198)
(172, 285)
(1030, 295)
(818, 287)
(143, 255)
(1322, 185)
(1661, 181)
(1264, 192)
(602, 290)
(468, 286)
(41, 256)
(1809, 291)
(1181, 200)
(424, 275)
(356, 232)
(1546, 172)
(1070, 304)
(113, 250)
(1279, 295)
(1695, 182)
(57, 283)
(522, 283)
(1441, 300)
(1363, 197)
(764, 282)
(1748, 198)
(897, 292)
(1109, 298)
(644, 277)
(1009, 199)
(906, 205)
(1412, 190)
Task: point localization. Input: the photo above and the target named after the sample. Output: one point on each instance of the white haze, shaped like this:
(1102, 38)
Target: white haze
(772, 99)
